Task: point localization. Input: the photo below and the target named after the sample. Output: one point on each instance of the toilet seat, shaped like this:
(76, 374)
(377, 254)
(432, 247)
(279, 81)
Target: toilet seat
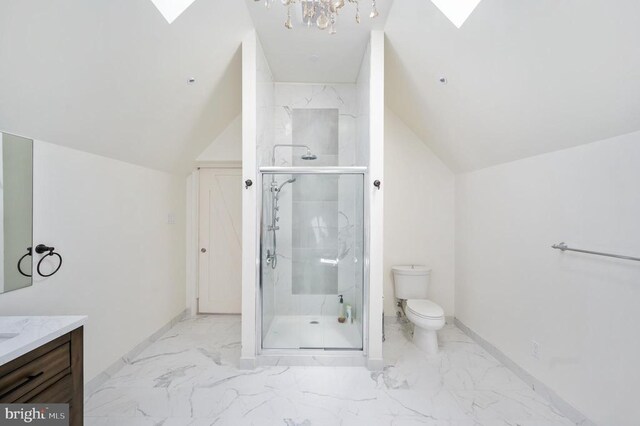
(425, 309)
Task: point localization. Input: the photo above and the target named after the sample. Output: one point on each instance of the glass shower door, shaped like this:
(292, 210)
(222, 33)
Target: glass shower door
(312, 240)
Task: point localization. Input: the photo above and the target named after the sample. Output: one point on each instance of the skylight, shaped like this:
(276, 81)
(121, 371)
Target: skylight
(171, 9)
(456, 10)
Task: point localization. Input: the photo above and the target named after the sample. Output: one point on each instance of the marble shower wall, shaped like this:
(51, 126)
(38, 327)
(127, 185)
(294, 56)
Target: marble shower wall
(265, 135)
(320, 216)
(362, 114)
(315, 205)
(321, 233)
(350, 235)
(361, 155)
(290, 96)
(265, 93)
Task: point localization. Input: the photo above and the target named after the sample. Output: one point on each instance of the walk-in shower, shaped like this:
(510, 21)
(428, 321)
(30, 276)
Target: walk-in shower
(312, 214)
(312, 251)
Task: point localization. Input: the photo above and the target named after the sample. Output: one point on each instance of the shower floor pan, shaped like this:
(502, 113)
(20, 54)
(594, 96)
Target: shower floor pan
(312, 332)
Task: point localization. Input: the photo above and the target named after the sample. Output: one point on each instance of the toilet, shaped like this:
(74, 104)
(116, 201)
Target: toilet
(411, 284)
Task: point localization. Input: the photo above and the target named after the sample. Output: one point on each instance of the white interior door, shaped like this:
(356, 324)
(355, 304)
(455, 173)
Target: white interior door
(220, 235)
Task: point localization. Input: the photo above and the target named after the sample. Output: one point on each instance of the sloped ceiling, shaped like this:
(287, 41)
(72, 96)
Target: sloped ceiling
(524, 77)
(110, 76)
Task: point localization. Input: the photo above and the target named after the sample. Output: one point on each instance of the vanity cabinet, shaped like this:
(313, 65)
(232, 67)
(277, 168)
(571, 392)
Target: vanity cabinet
(51, 373)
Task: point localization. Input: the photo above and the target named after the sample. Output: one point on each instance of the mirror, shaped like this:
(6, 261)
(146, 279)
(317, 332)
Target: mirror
(16, 212)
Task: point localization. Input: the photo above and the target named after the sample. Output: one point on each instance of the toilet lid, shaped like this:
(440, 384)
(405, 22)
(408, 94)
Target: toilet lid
(425, 308)
(410, 269)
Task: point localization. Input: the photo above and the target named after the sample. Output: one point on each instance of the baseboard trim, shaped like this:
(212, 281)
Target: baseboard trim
(375, 364)
(93, 384)
(247, 363)
(539, 387)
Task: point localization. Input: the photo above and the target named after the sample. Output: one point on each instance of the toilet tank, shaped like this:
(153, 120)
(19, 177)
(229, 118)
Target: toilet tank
(411, 281)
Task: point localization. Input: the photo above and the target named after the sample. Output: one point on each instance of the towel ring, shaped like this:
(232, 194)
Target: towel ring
(29, 253)
(40, 249)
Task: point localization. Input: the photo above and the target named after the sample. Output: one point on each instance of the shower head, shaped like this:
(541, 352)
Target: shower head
(309, 155)
(286, 182)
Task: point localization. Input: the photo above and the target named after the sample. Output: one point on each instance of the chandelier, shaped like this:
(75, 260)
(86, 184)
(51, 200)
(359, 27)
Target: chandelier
(322, 14)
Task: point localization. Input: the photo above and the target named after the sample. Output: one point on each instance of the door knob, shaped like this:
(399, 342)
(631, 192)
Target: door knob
(203, 250)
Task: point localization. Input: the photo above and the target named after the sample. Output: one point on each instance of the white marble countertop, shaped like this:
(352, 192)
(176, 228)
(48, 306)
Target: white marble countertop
(32, 332)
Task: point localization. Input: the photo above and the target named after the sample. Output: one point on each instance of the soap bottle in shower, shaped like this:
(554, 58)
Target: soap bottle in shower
(349, 314)
(341, 317)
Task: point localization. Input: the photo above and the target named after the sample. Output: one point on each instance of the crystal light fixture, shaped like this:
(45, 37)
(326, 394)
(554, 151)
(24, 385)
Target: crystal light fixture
(322, 14)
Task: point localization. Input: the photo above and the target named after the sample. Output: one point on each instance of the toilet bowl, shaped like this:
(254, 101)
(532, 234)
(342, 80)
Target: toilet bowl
(427, 318)
(411, 284)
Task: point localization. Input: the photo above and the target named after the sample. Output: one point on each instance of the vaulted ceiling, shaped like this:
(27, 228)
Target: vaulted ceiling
(111, 76)
(522, 77)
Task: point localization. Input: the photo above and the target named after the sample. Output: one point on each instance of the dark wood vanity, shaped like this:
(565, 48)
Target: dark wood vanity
(51, 373)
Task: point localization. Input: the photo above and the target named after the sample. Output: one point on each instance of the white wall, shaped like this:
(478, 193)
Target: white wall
(250, 132)
(419, 213)
(511, 287)
(227, 146)
(374, 198)
(124, 265)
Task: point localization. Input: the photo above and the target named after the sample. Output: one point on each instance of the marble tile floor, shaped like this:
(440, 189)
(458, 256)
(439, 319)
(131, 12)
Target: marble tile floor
(189, 377)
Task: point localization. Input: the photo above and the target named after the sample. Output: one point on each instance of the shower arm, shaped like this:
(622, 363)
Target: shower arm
(273, 152)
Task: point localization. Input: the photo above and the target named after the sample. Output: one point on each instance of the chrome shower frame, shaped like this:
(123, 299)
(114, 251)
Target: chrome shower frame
(347, 354)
